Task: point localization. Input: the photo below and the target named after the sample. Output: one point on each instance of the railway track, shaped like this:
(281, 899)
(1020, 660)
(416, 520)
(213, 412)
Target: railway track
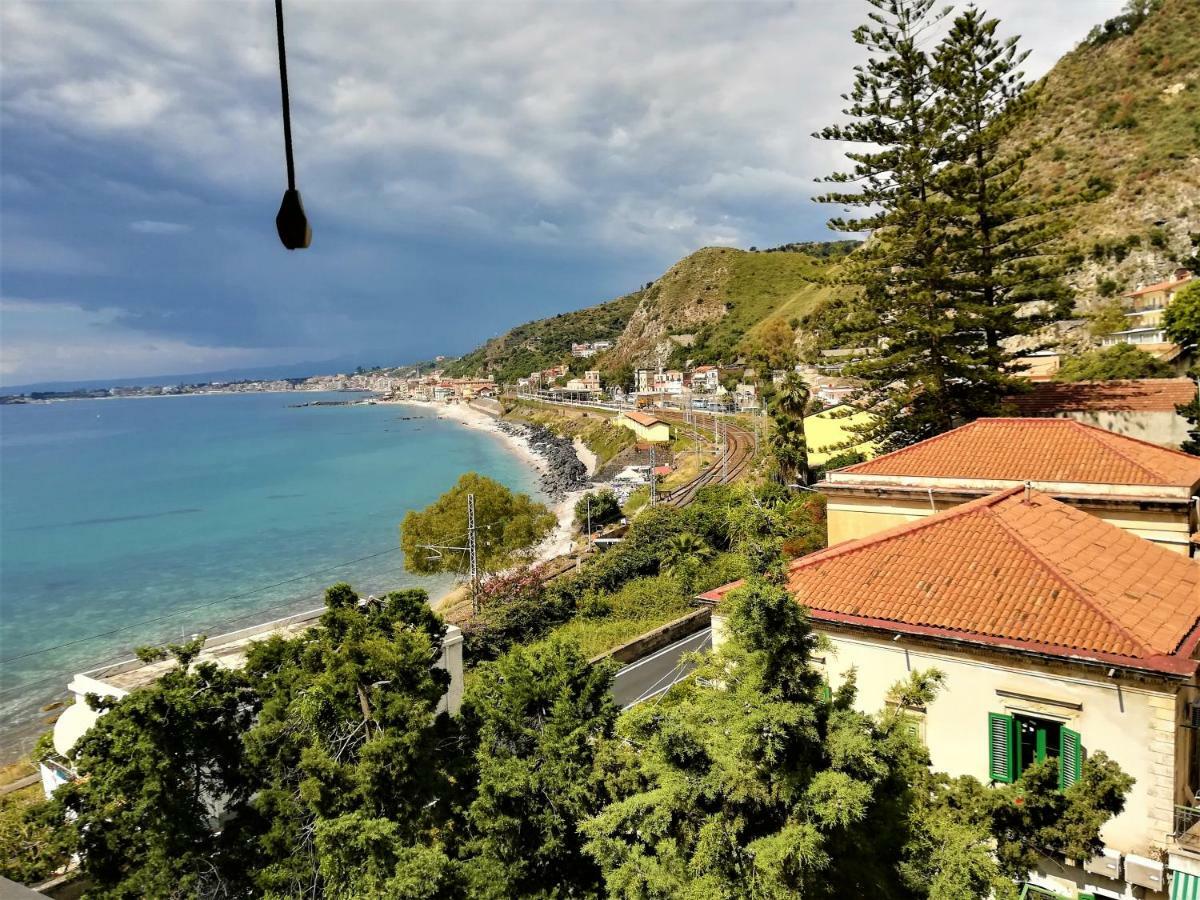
(741, 451)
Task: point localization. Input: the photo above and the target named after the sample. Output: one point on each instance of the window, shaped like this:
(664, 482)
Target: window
(1016, 742)
(913, 720)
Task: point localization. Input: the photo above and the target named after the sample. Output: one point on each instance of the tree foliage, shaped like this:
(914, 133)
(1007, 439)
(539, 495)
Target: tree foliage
(542, 715)
(507, 524)
(159, 770)
(1111, 363)
(961, 257)
(598, 507)
(787, 406)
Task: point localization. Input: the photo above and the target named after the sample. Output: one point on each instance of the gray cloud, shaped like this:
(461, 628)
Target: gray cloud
(150, 226)
(618, 122)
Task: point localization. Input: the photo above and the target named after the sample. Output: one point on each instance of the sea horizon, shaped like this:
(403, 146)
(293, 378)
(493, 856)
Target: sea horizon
(130, 523)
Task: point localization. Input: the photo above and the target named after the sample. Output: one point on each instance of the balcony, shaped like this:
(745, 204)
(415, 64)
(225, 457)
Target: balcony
(1187, 827)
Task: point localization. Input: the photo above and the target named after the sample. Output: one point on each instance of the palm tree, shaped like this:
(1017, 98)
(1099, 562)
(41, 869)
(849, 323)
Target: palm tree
(790, 445)
(683, 548)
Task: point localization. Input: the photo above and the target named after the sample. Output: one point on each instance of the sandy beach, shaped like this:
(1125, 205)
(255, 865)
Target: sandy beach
(560, 541)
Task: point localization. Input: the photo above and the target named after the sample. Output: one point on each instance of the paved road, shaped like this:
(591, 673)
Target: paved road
(651, 675)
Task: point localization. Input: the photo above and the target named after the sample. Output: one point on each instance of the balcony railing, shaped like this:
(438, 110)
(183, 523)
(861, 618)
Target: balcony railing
(1187, 827)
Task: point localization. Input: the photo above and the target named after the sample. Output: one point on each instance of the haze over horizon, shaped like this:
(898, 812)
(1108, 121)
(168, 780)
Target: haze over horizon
(466, 168)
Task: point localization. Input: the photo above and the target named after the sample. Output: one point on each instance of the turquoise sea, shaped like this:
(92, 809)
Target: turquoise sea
(125, 522)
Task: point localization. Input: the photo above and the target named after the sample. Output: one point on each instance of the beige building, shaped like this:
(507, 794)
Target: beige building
(1144, 313)
(1143, 488)
(1144, 408)
(647, 426)
(1059, 635)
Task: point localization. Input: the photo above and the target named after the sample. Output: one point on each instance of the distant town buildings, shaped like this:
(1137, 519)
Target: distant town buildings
(588, 349)
(1144, 314)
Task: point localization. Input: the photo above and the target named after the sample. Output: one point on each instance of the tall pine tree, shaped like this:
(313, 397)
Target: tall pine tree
(912, 364)
(958, 250)
(1002, 241)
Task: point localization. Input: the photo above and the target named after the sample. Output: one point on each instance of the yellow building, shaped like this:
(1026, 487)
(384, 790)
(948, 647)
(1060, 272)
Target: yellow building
(829, 432)
(1140, 487)
(646, 426)
(1144, 312)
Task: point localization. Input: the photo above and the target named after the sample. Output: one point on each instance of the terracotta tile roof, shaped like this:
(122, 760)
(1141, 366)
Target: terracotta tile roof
(643, 419)
(1161, 285)
(1126, 395)
(1043, 450)
(1018, 570)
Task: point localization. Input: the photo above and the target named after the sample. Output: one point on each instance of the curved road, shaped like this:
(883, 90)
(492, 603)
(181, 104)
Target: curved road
(652, 675)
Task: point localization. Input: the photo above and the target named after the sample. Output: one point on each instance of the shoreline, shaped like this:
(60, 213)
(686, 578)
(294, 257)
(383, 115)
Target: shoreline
(561, 539)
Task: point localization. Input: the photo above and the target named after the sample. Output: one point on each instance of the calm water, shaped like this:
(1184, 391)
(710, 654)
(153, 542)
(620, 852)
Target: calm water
(130, 514)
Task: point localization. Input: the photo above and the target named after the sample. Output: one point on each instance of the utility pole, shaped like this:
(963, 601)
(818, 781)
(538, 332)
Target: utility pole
(473, 554)
(653, 480)
(724, 452)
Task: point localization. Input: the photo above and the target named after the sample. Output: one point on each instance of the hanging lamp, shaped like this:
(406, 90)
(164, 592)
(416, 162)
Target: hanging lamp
(290, 221)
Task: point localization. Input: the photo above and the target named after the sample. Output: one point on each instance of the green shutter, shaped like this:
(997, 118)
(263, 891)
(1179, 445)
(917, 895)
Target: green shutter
(1001, 738)
(826, 691)
(1070, 757)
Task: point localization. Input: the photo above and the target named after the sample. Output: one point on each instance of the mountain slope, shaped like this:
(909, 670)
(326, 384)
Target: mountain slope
(1119, 124)
(546, 342)
(714, 305)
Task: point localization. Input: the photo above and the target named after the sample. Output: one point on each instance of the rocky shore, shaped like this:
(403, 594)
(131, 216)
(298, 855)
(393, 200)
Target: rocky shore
(564, 471)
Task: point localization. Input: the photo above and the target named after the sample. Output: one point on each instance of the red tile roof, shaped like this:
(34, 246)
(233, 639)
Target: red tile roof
(1126, 395)
(643, 419)
(1043, 450)
(1017, 570)
(1161, 285)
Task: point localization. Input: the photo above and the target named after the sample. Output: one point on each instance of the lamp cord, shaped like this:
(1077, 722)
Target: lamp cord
(283, 86)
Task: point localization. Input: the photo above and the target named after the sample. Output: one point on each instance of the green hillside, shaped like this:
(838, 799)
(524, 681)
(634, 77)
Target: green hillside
(1119, 124)
(545, 342)
(714, 305)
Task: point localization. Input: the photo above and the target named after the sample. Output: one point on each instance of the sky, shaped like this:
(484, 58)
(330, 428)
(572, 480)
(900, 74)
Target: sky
(466, 167)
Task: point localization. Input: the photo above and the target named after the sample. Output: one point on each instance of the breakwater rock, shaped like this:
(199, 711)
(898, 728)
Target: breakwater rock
(564, 470)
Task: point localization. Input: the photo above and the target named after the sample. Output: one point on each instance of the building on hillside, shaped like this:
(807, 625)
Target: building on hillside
(1141, 487)
(745, 397)
(1144, 316)
(669, 382)
(602, 346)
(583, 351)
(1039, 366)
(1058, 635)
(1142, 407)
(836, 431)
(706, 379)
(646, 426)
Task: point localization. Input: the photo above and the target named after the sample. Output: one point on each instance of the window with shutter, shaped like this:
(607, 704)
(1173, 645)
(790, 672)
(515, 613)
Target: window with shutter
(1070, 757)
(1001, 763)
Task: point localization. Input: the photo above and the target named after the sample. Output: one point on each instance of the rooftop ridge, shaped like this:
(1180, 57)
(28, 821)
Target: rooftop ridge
(871, 540)
(1092, 432)
(1057, 574)
(1122, 459)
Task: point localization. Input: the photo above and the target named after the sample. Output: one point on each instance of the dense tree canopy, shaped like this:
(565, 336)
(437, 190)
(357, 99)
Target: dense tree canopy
(507, 524)
(1110, 363)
